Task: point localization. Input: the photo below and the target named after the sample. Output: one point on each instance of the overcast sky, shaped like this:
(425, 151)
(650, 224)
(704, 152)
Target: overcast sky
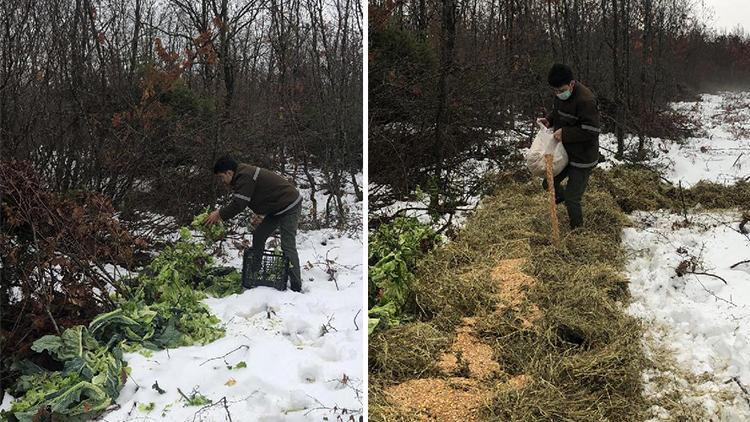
(727, 14)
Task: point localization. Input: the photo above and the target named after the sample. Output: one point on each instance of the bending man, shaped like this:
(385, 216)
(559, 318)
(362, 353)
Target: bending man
(270, 195)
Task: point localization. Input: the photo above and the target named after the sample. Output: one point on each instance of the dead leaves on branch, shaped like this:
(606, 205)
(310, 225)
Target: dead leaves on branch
(54, 249)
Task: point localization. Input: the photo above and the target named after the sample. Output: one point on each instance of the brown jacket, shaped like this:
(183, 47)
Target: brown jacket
(578, 117)
(264, 191)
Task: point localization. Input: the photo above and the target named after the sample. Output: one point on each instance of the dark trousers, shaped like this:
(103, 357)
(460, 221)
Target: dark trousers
(287, 225)
(577, 180)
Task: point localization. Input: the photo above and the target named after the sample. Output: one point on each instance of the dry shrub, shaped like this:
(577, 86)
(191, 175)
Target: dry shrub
(54, 248)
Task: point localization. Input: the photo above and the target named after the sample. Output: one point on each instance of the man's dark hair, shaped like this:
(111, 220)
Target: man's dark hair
(559, 75)
(224, 164)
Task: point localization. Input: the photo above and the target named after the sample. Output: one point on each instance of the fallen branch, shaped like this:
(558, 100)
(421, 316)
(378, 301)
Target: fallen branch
(708, 274)
(738, 159)
(110, 408)
(747, 261)
(335, 409)
(222, 401)
(132, 408)
(137, 386)
(714, 294)
(244, 346)
(741, 230)
(742, 387)
(347, 382)
(355, 320)
(187, 399)
(226, 408)
(327, 327)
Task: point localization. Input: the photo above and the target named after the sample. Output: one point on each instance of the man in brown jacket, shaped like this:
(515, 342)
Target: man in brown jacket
(575, 119)
(270, 195)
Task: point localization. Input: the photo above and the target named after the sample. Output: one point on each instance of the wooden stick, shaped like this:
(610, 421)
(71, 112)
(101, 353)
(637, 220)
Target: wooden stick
(552, 203)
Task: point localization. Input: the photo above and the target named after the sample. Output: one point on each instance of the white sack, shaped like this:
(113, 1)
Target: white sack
(543, 144)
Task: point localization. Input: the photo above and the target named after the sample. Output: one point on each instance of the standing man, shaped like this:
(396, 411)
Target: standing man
(268, 194)
(575, 119)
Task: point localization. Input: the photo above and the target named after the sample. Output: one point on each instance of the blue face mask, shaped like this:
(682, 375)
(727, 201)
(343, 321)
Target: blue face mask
(565, 95)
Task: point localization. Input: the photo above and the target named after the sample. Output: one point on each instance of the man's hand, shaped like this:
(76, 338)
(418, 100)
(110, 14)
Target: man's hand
(543, 121)
(558, 135)
(257, 219)
(212, 218)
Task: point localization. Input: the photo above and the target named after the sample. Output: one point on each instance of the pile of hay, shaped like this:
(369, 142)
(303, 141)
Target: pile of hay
(452, 282)
(456, 280)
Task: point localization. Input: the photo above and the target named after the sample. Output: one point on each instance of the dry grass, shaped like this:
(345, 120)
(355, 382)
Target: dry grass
(407, 351)
(638, 188)
(563, 345)
(469, 370)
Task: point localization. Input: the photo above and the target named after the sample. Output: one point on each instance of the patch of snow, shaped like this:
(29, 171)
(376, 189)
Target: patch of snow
(697, 326)
(721, 154)
(7, 401)
(706, 323)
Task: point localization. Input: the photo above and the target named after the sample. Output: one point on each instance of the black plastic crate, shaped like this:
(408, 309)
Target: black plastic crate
(273, 271)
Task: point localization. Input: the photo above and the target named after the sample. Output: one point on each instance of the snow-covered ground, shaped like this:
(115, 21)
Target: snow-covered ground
(701, 321)
(704, 319)
(300, 354)
(721, 151)
(303, 351)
